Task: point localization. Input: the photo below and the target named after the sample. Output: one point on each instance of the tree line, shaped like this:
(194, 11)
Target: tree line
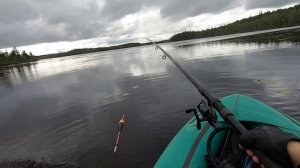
(15, 57)
(98, 49)
(262, 21)
(90, 50)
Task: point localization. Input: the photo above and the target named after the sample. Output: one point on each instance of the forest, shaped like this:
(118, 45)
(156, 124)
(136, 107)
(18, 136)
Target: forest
(262, 21)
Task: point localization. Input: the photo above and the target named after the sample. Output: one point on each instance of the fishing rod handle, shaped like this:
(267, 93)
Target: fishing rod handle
(265, 160)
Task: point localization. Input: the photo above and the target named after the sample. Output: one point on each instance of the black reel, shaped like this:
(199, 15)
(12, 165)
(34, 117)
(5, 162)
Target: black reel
(229, 155)
(207, 114)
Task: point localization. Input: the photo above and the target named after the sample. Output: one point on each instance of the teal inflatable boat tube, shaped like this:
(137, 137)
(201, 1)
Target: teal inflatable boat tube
(188, 147)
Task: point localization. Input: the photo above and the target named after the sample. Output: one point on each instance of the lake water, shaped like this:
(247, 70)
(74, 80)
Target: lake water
(67, 109)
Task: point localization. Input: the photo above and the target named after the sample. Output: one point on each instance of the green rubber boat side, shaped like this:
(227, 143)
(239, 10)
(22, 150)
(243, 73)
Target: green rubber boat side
(188, 147)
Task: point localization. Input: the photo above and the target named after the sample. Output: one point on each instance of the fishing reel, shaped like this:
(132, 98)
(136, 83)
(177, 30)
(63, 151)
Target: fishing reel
(207, 113)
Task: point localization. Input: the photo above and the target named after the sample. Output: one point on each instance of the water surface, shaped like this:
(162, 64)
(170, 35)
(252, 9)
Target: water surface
(67, 109)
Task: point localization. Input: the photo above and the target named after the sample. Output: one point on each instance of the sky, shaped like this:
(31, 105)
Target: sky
(51, 26)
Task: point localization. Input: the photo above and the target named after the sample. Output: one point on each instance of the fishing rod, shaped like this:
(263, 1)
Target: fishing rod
(214, 102)
(120, 128)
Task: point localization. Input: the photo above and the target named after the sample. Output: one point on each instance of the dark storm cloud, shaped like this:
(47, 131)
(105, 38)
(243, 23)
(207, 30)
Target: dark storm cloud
(28, 22)
(11, 12)
(252, 4)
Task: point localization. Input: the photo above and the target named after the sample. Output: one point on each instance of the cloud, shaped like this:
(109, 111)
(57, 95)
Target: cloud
(253, 4)
(27, 22)
(178, 9)
(24, 22)
(16, 11)
(116, 9)
(175, 9)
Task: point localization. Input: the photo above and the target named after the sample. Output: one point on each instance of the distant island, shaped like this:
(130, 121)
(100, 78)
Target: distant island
(263, 21)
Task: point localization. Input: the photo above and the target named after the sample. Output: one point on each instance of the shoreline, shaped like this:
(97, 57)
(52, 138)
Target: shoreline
(270, 35)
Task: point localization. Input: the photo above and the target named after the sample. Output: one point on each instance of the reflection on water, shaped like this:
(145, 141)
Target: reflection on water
(123, 63)
(67, 109)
